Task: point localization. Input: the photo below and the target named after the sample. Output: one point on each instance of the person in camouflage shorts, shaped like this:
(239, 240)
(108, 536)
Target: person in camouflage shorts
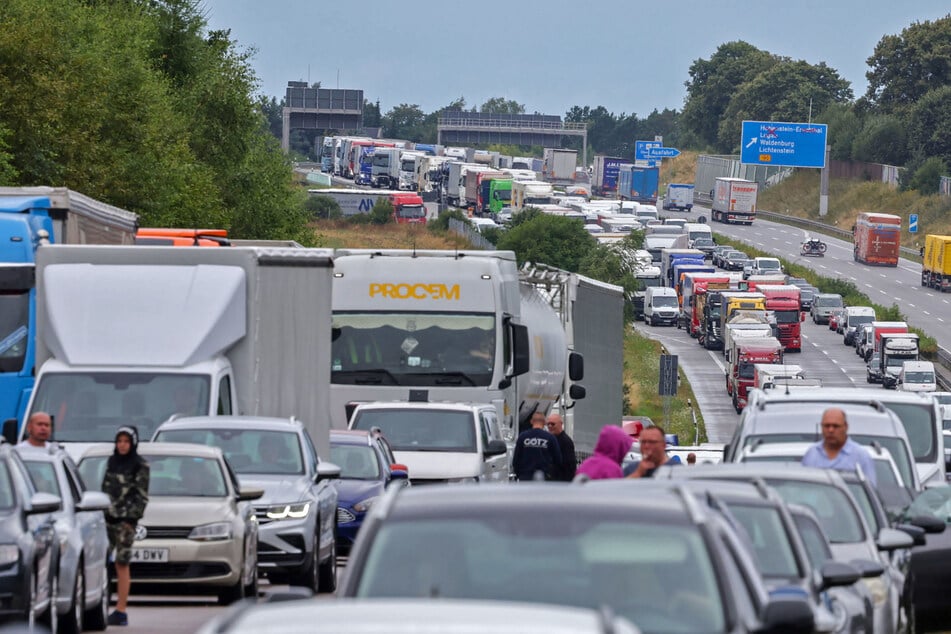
(126, 482)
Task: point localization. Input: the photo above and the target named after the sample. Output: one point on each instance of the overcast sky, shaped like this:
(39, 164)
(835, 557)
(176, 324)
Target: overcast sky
(630, 56)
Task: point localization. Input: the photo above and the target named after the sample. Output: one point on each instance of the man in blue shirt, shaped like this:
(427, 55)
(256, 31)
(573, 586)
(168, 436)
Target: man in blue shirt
(836, 451)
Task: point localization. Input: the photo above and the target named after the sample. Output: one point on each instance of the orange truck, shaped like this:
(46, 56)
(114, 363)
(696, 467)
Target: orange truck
(162, 236)
(877, 238)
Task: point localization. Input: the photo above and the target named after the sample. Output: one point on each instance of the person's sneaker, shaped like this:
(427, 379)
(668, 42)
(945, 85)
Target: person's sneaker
(118, 618)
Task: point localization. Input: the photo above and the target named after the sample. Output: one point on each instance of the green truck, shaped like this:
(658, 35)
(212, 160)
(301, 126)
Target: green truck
(494, 194)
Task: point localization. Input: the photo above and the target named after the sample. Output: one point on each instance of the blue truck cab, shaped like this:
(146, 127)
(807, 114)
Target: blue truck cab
(25, 224)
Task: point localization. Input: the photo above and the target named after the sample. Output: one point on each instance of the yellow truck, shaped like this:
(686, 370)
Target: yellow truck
(936, 265)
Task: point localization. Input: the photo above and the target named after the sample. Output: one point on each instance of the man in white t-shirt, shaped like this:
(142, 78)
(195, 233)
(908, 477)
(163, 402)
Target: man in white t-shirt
(39, 428)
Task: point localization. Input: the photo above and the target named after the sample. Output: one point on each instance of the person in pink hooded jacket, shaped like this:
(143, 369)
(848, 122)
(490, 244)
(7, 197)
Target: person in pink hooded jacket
(613, 444)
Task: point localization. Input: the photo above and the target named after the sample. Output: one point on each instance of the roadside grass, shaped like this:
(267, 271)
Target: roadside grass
(641, 379)
(682, 169)
(851, 295)
(340, 234)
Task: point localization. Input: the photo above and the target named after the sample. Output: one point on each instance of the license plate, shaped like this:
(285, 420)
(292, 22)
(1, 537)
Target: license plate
(159, 555)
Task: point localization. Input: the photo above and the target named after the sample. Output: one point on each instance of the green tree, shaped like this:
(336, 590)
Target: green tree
(382, 212)
(273, 112)
(371, 114)
(501, 105)
(713, 82)
(323, 207)
(546, 239)
(8, 173)
(929, 121)
(403, 122)
(903, 68)
(782, 92)
(883, 139)
(927, 177)
(844, 125)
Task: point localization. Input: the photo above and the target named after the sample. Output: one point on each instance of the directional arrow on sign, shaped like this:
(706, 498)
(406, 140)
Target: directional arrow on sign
(752, 141)
(662, 152)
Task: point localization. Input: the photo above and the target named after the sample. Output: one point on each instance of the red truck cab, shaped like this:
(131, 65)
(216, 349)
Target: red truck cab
(784, 302)
(749, 352)
(408, 208)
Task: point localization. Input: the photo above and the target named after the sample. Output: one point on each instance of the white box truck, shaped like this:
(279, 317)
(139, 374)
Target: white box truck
(134, 335)
(734, 201)
(559, 165)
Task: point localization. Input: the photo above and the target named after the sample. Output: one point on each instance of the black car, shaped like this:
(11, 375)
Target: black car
(28, 546)
(873, 371)
(929, 573)
(807, 295)
(707, 245)
(719, 252)
(735, 260)
(650, 553)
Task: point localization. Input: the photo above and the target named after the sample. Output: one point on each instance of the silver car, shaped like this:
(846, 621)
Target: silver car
(297, 513)
(82, 597)
(199, 531)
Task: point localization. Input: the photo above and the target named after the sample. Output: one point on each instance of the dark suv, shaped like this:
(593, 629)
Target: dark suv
(650, 553)
(28, 546)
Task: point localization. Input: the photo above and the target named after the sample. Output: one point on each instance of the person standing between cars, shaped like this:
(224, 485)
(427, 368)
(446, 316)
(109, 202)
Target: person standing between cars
(536, 450)
(613, 444)
(569, 461)
(126, 482)
(39, 428)
(653, 442)
(836, 450)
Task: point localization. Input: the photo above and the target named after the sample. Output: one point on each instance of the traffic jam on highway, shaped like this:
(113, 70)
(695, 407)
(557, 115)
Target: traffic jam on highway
(417, 418)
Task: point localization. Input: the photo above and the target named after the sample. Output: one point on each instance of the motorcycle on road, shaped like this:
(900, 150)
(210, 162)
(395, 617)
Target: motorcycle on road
(813, 247)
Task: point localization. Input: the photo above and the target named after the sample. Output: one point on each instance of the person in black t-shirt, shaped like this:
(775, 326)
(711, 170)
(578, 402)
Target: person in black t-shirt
(569, 462)
(536, 450)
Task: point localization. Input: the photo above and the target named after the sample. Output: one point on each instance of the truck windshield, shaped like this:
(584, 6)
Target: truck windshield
(14, 329)
(90, 406)
(919, 377)
(649, 281)
(503, 194)
(411, 211)
(787, 316)
(421, 429)
(746, 370)
(408, 166)
(424, 349)
(381, 160)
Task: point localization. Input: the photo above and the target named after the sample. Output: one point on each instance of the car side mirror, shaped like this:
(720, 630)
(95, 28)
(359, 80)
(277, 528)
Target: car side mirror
(868, 568)
(93, 501)
(495, 448)
(41, 503)
(915, 532)
(931, 525)
(837, 573)
(327, 471)
(11, 431)
(890, 539)
(399, 474)
(788, 615)
(802, 316)
(246, 494)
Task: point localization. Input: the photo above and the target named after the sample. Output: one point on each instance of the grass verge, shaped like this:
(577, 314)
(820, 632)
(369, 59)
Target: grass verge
(641, 379)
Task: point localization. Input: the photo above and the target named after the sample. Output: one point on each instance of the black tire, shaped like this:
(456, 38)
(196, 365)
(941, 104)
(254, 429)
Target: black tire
(50, 617)
(231, 594)
(251, 589)
(72, 621)
(309, 574)
(97, 616)
(327, 573)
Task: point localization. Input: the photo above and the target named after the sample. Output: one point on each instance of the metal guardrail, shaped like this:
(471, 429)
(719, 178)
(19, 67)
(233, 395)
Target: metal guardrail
(466, 230)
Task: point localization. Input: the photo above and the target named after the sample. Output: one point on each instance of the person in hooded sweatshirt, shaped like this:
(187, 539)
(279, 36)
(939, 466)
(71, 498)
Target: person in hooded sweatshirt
(613, 444)
(126, 482)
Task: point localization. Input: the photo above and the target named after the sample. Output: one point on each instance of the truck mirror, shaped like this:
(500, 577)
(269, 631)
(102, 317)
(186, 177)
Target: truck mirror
(802, 316)
(575, 366)
(10, 430)
(521, 354)
(577, 392)
(335, 333)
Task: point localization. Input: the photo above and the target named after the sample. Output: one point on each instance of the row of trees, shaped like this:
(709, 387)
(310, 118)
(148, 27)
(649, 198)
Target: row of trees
(137, 103)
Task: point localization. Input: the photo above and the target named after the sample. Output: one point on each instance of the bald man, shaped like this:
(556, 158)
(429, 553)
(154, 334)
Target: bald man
(39, 428)
(836, 450)
(569, 462)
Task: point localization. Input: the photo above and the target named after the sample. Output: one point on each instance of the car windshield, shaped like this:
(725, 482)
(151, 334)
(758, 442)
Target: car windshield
(421, 430)
(357, 462)
(934, 502)
(831, 505)
(43, 475)
(827, 302)
(865, 504)
(169, 476)
(90, 406)
(419, 349)
(664, 301)
(8, 498)
(855, 320)
(768, 264)
(649, 573)
(767, 537)
(919, 377)
(249, 451)
(918, 421)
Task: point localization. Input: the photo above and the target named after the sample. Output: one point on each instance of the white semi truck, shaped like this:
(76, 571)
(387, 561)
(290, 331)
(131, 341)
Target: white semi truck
(134, 335)
(446, 326)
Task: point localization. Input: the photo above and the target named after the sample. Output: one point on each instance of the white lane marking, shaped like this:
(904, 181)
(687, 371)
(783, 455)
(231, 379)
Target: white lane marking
(837, 272)
(925, 312)
(939, 319)
(787, 242)
(912, 305)
(946, 301)
(853, 278)
(881, 275)
(882, 292)
(869, 285)
(717, 361)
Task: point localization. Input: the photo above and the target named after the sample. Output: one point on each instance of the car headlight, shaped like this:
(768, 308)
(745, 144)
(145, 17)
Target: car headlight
(878, 589)
(364, 505)
(218, 531)
(9, 554)
(288, 511)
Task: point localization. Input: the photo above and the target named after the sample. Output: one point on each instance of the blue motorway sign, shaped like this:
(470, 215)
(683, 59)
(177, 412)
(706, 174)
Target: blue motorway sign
(913, 223)
(642, 149)
(662, 152)
(787, 144)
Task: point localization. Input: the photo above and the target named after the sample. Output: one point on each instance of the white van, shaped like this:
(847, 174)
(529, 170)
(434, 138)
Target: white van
(441, 442)
(697, 230)
(661, 306)
(917, 376)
